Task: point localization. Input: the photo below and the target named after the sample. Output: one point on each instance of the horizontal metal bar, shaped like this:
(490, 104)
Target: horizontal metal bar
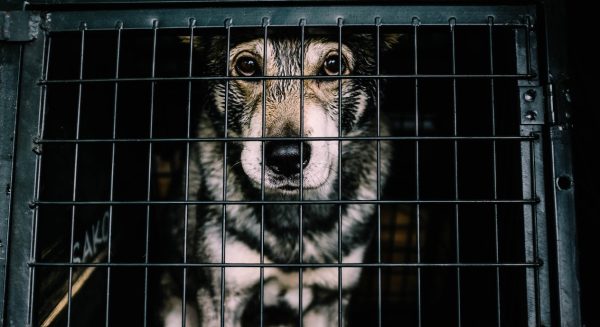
(324, 14)
(306, 77)
(324, 138)
(290, 265)
(285, 202)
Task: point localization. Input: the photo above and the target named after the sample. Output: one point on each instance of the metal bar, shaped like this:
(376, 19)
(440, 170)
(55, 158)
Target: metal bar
(307, 138)
(285, 77)
(564, 227)
(416, 23)
(149, 167)
(490, 265)
(340, 169)
(378, 178)
(213, 16)
(526, 201)
(494, 168)
(75, 170)
(265, 24)
(18, 244)
(302, 24)
(562, 186)
(41, 124)
(112, 173)
(191, 25)
(532, 157)
(452, 23)
(224, 219)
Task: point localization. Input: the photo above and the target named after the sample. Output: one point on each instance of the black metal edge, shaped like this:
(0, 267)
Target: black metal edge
(116, 4)
(10, 58)
(562, 223)
(291, 16)
(18, 279)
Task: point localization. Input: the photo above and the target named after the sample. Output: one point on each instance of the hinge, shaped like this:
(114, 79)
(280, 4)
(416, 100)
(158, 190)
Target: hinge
(559, 103)
(19, 26)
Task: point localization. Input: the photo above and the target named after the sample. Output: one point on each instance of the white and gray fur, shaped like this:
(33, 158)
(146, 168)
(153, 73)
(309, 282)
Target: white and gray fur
(281, 222)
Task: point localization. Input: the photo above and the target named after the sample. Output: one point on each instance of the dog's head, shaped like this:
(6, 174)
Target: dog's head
(281, 106)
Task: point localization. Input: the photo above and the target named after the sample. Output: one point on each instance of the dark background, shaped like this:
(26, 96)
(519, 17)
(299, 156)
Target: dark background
(583, 58)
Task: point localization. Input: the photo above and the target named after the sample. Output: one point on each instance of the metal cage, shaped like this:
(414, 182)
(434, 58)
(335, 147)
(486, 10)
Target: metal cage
(473, 228)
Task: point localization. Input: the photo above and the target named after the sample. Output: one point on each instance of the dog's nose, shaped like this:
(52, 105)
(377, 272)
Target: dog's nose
(284, 157)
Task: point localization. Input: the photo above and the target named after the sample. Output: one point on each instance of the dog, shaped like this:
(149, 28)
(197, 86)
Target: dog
(248, 107)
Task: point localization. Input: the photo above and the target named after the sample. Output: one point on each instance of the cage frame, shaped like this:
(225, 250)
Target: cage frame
(23, 99)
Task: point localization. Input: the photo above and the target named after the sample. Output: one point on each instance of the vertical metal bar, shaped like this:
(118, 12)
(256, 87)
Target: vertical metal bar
(149, 173)
(534, 221)
(21, 94)
(529, 153)
(528, 51)
(192, 23)
(567, 295)
(226, 117)
(301, 191)
(495, 167)
(83, 28)
(265, 25)
(452, 23)
(378, 178)
(532, 158)
(565, 229)
(41, 123)
(40, 126)
(416, 23)
(119, 28)
(340, 23)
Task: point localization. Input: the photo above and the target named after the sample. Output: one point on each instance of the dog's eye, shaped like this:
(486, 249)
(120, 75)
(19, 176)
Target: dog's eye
(331, 65)
(247, 66)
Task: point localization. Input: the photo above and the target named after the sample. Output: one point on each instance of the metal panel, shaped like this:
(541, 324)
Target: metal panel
(290, 16)
(18, 295)
(566, 244)
(10, 57)
(19, 26)
(567, 295)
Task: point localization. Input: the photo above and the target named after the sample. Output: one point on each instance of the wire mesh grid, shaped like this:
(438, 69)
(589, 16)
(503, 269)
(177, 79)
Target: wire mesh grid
(454, 228)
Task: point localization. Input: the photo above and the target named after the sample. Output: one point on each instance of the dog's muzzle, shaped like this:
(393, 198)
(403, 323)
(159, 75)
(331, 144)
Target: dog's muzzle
(285, 158)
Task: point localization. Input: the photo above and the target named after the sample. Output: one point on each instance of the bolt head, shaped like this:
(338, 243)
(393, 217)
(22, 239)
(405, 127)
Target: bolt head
(529, 95)
(531, 115)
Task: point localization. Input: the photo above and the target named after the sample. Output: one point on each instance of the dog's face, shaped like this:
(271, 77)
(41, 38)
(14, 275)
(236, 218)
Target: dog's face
(289, 107)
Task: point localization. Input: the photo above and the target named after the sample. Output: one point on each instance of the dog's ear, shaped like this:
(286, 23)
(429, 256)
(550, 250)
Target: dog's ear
(186, 40)
(391, 40)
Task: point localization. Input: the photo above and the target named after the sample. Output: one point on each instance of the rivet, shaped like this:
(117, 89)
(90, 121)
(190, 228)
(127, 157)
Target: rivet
(531, 115)
(529, 95)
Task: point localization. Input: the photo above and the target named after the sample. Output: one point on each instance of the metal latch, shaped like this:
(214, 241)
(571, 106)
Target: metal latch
(19, 26)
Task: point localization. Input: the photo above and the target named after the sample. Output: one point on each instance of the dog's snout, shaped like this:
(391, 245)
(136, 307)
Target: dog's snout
(284, 157)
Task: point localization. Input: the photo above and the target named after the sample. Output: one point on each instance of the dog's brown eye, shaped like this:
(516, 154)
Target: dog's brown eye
(331, 65)
(247, 66)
